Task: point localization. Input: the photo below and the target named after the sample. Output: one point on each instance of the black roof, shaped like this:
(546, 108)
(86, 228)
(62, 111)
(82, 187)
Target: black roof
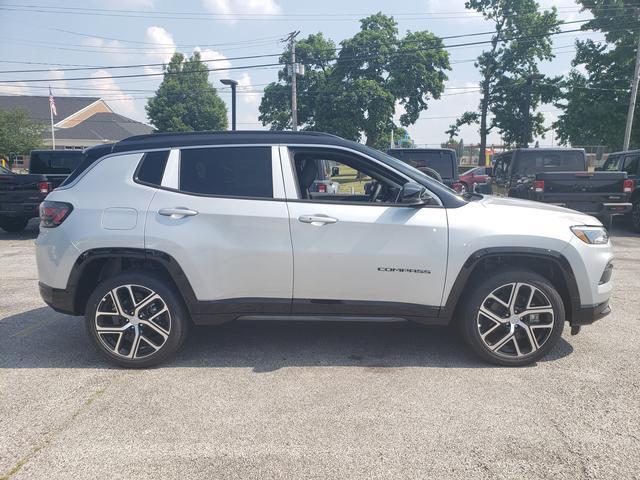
(102, 127)
(173, 140)
(434, 149)
(625, 152)
(37, 107)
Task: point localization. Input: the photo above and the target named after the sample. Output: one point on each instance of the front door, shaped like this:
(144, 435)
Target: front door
(355, 249)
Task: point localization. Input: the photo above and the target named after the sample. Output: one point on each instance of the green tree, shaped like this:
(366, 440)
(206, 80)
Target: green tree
(186, 100)
(18, 133)
(520, 41)
(355, 93)
(595, 102)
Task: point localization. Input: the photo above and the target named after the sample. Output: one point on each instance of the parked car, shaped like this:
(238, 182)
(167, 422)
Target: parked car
(438, 163)
(20, 195)
(157, 232)
(560, 176)
(472, 177)
(628, 162)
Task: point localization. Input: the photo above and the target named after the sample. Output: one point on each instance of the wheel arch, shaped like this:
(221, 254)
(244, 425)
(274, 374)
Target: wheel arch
(95, 265)
(549, 263)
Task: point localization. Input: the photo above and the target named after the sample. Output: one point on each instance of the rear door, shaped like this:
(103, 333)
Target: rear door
(221, 214)
(358, 255)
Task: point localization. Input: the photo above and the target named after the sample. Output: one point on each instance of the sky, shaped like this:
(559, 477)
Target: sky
(53, 36)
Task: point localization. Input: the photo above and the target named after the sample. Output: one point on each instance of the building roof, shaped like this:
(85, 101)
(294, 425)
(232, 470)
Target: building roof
(37, 107)
(102, 127)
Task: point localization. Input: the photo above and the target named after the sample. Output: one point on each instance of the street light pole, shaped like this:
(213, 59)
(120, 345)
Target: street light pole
(233, 84)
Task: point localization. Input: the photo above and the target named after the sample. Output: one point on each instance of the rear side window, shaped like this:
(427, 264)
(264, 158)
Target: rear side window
(631, 164)
(227, 171)
(151, 168)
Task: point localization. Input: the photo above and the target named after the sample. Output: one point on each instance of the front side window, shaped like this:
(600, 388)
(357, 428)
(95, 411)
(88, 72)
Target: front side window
(227, 171)
(337, 177)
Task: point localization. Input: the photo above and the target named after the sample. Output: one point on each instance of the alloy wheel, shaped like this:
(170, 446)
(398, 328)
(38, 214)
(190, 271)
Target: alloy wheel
(132, 321)
(515, 320)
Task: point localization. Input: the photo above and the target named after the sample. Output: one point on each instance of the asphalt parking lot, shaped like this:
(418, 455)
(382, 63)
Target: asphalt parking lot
(290, 400)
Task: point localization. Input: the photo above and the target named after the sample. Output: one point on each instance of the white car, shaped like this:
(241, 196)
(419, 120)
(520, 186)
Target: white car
(157, 232)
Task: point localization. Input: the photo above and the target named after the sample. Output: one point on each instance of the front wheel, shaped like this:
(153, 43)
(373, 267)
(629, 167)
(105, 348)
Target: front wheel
(13, 224)
(136, 320)
(513, 318)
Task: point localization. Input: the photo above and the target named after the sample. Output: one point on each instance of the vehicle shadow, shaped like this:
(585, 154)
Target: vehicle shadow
(29, 233)
(42, 338)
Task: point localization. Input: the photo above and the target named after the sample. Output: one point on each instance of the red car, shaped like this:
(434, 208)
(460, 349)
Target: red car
(470, 178)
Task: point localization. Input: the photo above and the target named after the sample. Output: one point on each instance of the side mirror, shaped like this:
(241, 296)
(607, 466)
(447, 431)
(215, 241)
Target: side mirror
(335, 171)
(413, 194)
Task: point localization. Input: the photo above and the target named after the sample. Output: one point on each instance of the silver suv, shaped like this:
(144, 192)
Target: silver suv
(157, 232)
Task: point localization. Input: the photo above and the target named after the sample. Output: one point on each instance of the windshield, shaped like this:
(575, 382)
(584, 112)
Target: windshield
(532, 162)
(440, 161)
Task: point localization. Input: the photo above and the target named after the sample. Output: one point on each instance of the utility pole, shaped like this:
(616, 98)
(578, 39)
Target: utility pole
(293, 70)
(233, 84)
(632, 100)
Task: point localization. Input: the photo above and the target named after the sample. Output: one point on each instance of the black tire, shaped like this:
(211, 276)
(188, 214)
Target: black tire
(175, 320)
(471, 321)
(464, 187)
(432, 173)
(13, 224)
(635, 216)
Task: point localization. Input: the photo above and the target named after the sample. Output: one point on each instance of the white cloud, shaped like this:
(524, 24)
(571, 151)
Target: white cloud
(59, 88)
(163, 49)
(214, 59)
(246, 90)
(120, 101)
(19, 88)
(233, 7)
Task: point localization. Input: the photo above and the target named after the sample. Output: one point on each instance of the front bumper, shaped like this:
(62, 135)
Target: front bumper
(58, 299)
(587, 315)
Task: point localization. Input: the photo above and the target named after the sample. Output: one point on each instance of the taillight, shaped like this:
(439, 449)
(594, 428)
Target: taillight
(628, 186)
(44, 187)
(538, 186)
(322, 188)
(53, 214)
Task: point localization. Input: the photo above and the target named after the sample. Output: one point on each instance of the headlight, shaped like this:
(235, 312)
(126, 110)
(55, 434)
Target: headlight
(591, 235)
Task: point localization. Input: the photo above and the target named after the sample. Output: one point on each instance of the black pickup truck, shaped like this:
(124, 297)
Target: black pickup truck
(560, 176)
(439, 163)
(21, 194)
(629, 163)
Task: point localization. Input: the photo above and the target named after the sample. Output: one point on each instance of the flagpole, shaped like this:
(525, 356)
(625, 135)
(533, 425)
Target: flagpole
(53, 135)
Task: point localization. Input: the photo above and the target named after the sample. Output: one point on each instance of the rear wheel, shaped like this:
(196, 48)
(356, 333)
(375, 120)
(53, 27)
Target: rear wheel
(13, 224)
(136, 320)
(513, 318)
(635, 216)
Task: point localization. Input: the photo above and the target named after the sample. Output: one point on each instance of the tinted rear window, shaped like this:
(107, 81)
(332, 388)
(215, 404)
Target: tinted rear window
(55, 162)
(151, 167)
(227, 171)
(441, 162)
(539, 161)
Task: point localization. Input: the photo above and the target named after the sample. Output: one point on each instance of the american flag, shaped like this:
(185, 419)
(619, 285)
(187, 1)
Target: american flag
(52, 103)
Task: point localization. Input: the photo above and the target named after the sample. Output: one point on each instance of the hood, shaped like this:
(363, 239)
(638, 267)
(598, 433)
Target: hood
(531, 208)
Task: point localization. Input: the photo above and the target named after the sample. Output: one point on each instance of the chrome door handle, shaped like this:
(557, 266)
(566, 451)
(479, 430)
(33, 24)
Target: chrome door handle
(177, 212)
(318, 219)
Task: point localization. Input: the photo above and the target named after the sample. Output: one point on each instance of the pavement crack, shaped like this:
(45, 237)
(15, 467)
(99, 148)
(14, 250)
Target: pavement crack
(49, 437)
